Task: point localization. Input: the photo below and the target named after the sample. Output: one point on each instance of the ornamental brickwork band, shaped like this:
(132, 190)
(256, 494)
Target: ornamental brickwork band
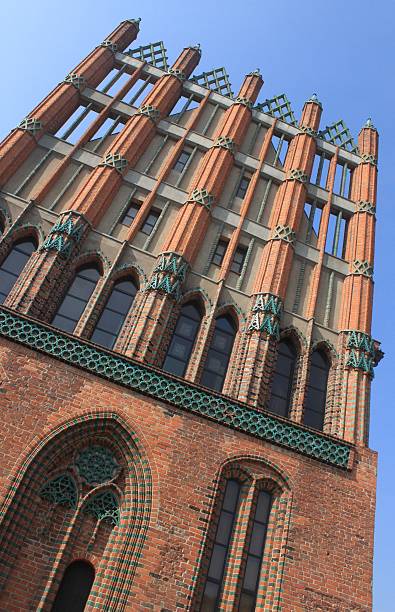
(186, 348)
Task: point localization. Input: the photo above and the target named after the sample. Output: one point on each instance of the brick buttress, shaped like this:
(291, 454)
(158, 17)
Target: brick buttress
(61, 103)
(44, 270)
(262, 332)
(357, 350)
(185, 238)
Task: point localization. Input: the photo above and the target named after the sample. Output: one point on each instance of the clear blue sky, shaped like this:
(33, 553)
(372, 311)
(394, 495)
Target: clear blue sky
(343, 49)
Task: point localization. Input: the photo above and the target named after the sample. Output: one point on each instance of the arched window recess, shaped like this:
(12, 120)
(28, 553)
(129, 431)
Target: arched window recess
(283, 378)
(183, 339)
(14, 263)
(219, 353)
(77, 297)
(115, 312)
(314, 410)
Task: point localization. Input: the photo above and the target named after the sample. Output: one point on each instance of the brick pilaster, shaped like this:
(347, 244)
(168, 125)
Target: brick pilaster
(257, 357)
(104, 181)
(186, 235)
(356, 347)
(61, 103)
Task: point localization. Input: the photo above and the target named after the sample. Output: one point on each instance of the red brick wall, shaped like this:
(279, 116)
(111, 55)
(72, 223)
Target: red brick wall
(326, 540)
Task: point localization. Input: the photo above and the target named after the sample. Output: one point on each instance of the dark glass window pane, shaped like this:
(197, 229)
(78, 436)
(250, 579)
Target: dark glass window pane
(219, 252)
(283, 375)
(67, 325)
(263, 506)
(314, 419)
(74, 588)
(130, 214)
(243, 186)
(247, 603)
(238, 259)
(224, 528)
(181, 161)
(218, 355)
(221, 547)
(114, 313)
(256, 547)
(76, 299)
(316, 391)
(211, 592)
(103, 338)
(217, 562)
(183, 340)
(174, 366)
(251, 573)
(13, 265)
(150, 221)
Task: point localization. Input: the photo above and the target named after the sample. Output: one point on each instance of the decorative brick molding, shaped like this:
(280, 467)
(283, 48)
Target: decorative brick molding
(266, 314)
(244, 101)
(224, 142)
(366, 158)
(179, 74)
(181, 394)
(283, 232)
(109, 45)
(365, 206)
(169, 274)
(308, 130)
(361, 351)
(297, 175)
(149, 111)
(115, 160)
(66, 232)
(76, 80)
(203, 197)
(363, 268)
(31, 125)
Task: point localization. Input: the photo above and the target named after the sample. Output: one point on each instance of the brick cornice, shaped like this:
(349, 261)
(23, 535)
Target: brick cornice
(184, 395)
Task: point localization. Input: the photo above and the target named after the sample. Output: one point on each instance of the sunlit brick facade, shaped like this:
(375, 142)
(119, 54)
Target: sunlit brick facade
(186, 280)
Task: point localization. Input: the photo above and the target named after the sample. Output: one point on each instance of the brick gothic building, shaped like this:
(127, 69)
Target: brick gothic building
(185, 345)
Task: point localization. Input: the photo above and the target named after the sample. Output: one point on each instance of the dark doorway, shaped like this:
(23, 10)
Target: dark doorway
(75, 587)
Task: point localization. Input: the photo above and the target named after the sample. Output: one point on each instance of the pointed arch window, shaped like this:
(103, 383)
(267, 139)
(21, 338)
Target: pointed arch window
(220, 551)
(254, 524)
(183, 340)
(283, 377)
(219, 353)
(76, 298)
(75, 587)
(314, 411)
(114, 313)
(13, 265)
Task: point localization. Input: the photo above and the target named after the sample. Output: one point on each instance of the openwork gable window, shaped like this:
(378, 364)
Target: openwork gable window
(219, 353)
(314, 411)
(283, 376)
(76, 299)
(183, 340)
(114, 314)
(13, 265)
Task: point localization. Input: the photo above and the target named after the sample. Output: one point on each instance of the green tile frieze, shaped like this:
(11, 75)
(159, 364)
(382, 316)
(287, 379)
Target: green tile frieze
(184, 395)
